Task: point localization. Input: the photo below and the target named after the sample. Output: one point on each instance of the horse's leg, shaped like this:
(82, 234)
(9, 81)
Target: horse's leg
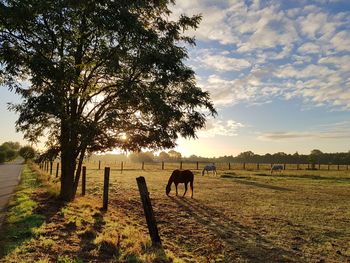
(185, 189)
(176, 188)
(191, 186)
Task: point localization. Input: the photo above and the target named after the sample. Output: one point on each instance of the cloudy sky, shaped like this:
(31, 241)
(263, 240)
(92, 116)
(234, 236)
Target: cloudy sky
(278, 72)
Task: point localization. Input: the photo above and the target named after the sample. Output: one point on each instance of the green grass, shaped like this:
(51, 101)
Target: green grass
(39, 228)
(21, 220)
(236, 216)
(243, 216)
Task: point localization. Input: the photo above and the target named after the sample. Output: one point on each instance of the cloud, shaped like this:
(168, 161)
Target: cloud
(250, 89)
(260, 50)
(334, 131)
(279, 136)
(217, 127)
(223, 63)
(341, 41)
(309, 48)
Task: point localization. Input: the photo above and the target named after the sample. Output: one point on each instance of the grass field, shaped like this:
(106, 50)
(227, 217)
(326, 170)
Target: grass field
(242, 216)
(236, 216)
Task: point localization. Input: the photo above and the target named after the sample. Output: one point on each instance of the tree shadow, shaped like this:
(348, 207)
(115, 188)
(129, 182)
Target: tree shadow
(309, 176)
(267, 186)
(22, 230)
(240, 242)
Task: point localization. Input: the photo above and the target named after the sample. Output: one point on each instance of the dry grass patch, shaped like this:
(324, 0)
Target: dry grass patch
(243, 216)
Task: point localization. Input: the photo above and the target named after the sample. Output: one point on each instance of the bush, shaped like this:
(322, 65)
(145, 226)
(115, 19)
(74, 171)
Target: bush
(27, 152)
(11, 154)
(2, 157)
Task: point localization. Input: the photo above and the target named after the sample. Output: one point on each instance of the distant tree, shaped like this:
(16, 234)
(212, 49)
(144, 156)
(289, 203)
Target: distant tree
(12, 145)
(100, 70)
(245, 156)
(174, 155)
(11, 154)
(316, 152)
(10, 150)
(27, 152)
(4, 147)
(163, 156)
(141, 157)
(2, 157)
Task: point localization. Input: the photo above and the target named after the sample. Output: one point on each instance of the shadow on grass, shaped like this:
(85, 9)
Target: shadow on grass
(308, 176)
(267, 186)
(25, 216)
(245, 180)
(240, 241)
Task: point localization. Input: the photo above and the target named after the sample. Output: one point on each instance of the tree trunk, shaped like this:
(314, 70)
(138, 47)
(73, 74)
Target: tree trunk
(68, 161)
(78, 172)
(67, 177)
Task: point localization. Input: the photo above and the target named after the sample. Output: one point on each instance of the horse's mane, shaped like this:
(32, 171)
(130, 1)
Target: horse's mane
(171, 178)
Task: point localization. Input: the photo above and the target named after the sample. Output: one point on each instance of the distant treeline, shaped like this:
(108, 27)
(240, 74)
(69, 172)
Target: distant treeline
(315, 157)
(9, 151)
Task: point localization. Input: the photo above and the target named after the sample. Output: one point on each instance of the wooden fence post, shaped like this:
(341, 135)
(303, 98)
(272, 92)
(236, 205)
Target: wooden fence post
(106, 188)
(147, 207)
(258, 166)
(57, 169)
(121, 167)
(243, 166)
(51, 165)
(143, 166)
(284, 166)
(162, 165)
(319, 166)
(229, 166)
(180, 165)
(197, 165)
(83, 181)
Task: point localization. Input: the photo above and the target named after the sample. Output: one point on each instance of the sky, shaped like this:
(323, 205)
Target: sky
(278, 72)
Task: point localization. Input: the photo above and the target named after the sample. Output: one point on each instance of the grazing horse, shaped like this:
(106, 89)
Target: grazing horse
(209, 167)
(277, 167)
(180, 176)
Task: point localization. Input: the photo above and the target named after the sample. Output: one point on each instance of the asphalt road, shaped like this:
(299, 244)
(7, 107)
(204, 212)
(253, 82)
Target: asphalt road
(9, 179)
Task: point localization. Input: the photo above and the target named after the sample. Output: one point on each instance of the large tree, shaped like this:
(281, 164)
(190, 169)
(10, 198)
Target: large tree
(95, 75)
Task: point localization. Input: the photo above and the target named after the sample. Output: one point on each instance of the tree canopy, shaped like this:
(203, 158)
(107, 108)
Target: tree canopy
(100, 75)
(27, 152)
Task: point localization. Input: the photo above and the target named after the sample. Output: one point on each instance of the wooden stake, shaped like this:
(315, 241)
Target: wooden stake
(83, 181)
(57, 169)
(147, 207)
(106, 188)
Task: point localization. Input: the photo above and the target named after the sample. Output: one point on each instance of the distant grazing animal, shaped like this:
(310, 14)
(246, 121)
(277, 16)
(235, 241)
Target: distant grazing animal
(180, 176)
(277, 167)
(209, 167)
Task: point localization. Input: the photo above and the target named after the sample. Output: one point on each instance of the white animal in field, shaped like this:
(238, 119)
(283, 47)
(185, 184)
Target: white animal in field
(209, 167)
(277, 167)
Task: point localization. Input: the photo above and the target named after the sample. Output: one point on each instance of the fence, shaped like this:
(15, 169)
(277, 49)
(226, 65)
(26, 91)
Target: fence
(103, 182)
(53, 168)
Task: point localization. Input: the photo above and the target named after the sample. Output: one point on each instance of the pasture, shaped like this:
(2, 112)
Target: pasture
(240, 215)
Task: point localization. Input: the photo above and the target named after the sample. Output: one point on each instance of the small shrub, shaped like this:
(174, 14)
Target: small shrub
(2, 157)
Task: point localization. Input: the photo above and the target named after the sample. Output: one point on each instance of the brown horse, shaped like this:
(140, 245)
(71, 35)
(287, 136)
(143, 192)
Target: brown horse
(180, 176)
